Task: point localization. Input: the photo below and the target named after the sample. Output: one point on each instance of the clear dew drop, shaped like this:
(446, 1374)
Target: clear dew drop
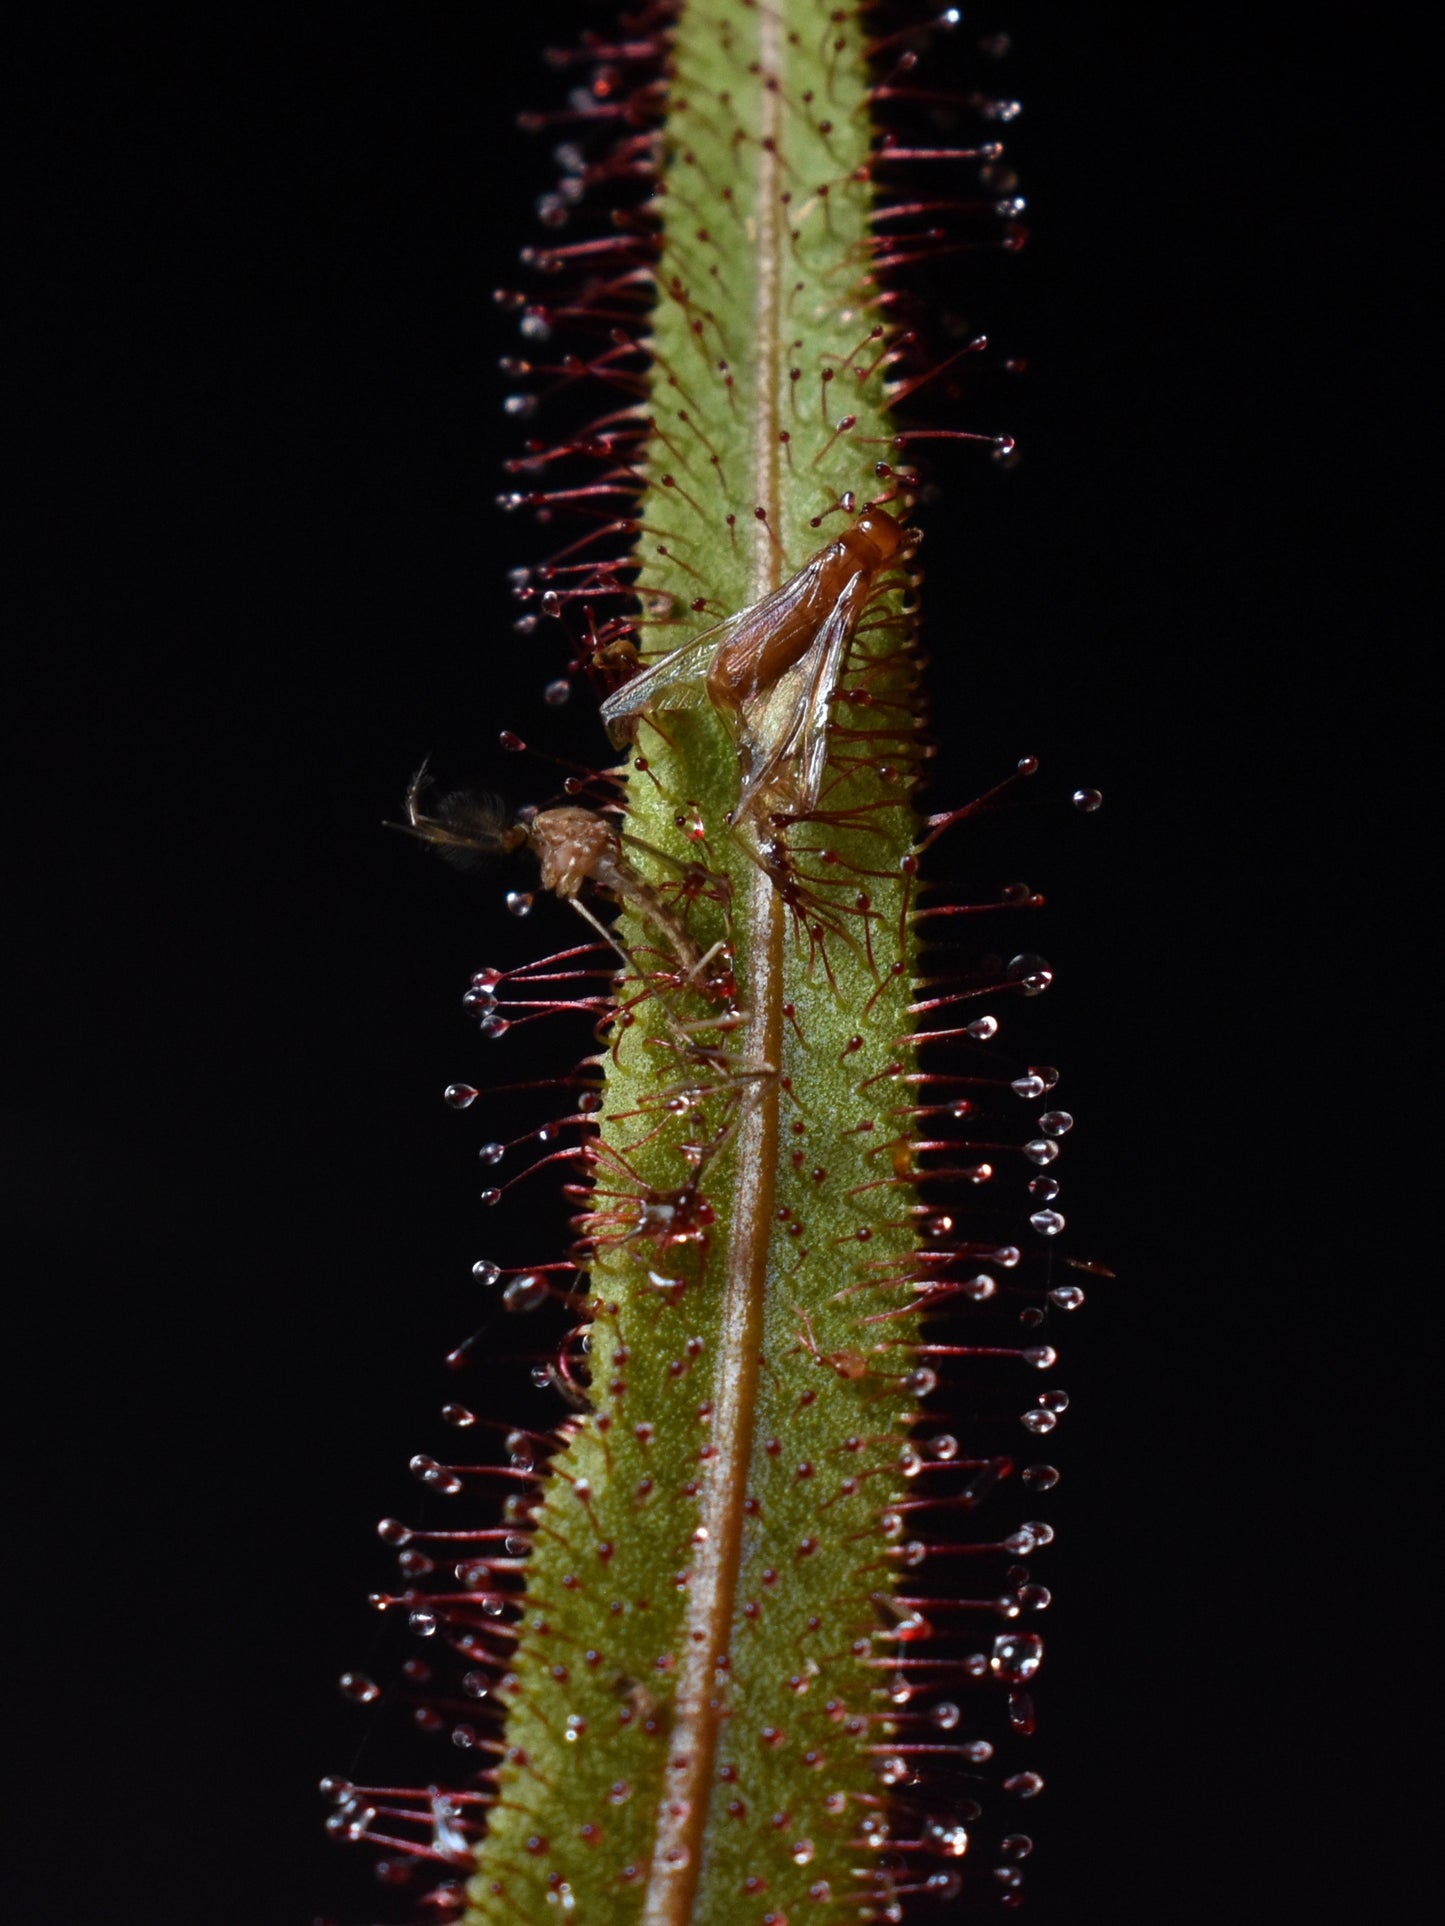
(351, 1820)
(525, 1293)
(1054, 1400)
(979, 1289)
(945, 1715)
(944, 1448)
(1032, 973)
(982, 1028)
(1068, 1297)
(1042, 1150)
(1041, 1533)
(461, 1096)
(1046, 1189)
(1041, 1477)
(434, 1476)
(1043, 1357)
(1055, 1123)
(1088, 800)
(492, 1025)
(1024, 1785)
(423, 1623)
(519, 902)
(1028, 1087)
(950, 1840)
(1040, 1423)
(1048, 1223)
(1016, 1657)
(558, 693)
(459, 1416)
(492, 1153)
(485, 1271)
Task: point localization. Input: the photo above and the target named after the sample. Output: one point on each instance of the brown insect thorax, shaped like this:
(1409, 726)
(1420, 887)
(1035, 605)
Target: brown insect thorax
(752, 662)
(573, 845)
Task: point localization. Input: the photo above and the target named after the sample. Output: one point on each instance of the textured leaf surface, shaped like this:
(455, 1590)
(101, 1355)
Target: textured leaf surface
(693, 1714)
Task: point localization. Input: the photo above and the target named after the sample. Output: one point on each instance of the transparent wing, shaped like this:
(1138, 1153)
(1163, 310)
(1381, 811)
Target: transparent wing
(790, 724)
(678, 680)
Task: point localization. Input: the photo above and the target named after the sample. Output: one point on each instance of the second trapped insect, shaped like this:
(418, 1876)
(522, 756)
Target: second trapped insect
(572, 846)
(771, 670)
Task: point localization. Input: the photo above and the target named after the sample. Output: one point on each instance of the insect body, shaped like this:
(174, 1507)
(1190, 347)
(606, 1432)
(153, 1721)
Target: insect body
(771, 671)
(572, 846)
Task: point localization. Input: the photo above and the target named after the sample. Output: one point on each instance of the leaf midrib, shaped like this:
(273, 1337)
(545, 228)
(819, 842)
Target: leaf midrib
(683, 1811)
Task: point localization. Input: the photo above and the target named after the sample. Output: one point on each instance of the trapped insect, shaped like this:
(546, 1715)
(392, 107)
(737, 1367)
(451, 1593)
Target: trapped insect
(572, 846)
(771, 670)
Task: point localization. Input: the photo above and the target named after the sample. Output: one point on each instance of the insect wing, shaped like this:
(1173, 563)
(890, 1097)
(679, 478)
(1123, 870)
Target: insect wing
(679, 680)
(788, 723)
(769, 639)
(833, 645)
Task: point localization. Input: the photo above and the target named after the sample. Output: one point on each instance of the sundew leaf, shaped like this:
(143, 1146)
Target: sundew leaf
(696, 1628)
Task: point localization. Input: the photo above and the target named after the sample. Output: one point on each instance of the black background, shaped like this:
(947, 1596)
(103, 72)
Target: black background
(261, 577)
